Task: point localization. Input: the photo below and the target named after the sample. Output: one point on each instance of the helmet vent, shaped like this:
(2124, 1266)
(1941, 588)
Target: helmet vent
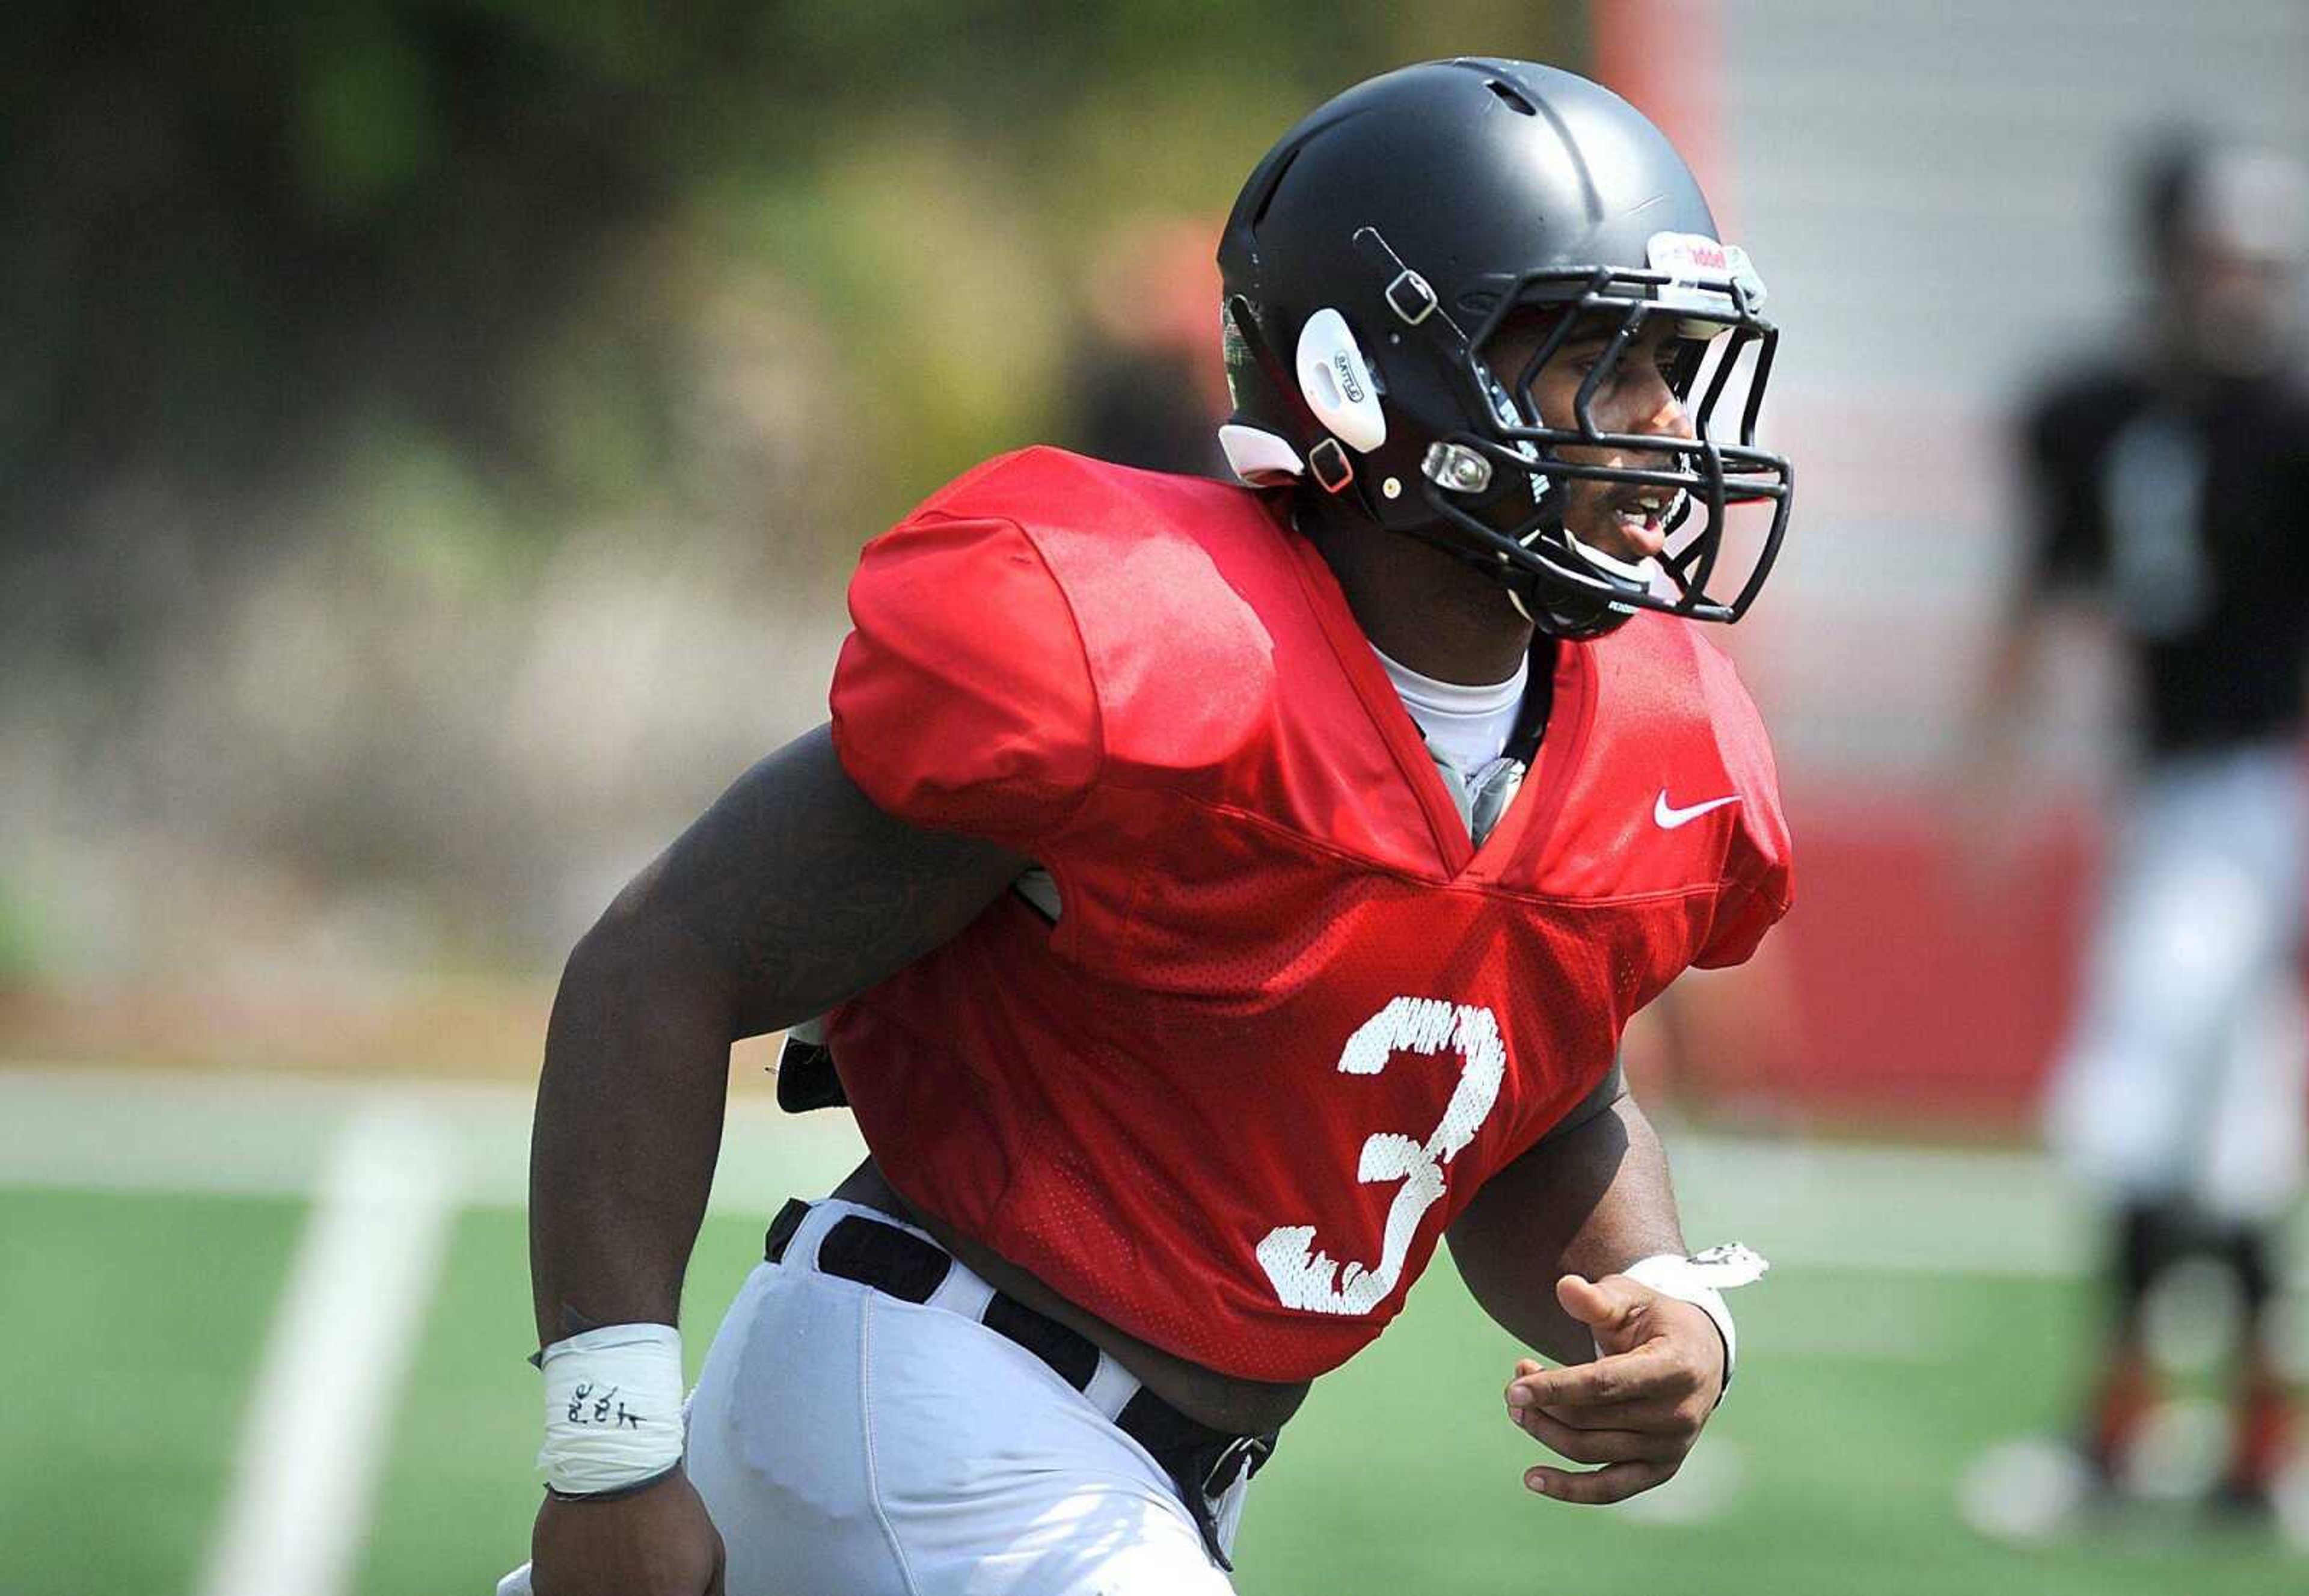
(1274, 187)
(1512, 96)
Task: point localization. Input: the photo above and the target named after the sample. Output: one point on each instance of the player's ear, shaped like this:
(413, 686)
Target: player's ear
(1339, 382)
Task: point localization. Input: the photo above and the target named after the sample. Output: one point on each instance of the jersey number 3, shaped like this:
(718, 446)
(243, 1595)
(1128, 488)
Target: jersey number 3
(1305, 1276)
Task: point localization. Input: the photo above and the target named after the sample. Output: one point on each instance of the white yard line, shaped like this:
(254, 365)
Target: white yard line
(336, 1361)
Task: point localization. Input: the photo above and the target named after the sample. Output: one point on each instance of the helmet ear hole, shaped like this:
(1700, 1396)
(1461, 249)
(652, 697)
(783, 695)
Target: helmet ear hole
(1338, 384)
(1511, 97)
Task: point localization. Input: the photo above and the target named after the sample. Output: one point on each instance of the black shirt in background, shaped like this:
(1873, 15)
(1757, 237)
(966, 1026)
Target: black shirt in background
(2189, 515)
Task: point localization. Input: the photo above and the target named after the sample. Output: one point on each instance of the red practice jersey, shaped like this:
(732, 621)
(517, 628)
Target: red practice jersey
(1290, 1018)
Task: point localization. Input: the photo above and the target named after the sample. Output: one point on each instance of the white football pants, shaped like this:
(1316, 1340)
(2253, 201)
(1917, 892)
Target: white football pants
(2182, 1078)
(849, 1444)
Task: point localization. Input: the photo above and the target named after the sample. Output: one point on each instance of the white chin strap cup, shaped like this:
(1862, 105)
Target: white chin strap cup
(1260, 457)
(1646, 570)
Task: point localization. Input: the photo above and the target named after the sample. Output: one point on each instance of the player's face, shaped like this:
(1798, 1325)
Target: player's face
(1626, 521)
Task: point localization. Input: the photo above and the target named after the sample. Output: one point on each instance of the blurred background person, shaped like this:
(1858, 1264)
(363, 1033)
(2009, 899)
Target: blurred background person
(2169, 484)
(1139, 385)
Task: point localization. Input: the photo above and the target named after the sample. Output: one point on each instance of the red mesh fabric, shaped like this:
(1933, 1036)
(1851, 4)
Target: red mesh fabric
(1290, 1020)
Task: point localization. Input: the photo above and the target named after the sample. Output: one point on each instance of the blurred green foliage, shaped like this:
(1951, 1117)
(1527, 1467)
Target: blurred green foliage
(434, 433)
(243, 238)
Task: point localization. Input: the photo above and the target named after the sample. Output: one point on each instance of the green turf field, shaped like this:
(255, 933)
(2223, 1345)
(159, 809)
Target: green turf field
(139, 1317)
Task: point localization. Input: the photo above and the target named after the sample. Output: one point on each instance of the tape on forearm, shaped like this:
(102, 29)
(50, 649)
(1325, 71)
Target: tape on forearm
(612, 1408)
(1701, 1280)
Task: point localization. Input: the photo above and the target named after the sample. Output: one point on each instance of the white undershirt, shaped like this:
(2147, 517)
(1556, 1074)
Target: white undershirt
(1468, 725)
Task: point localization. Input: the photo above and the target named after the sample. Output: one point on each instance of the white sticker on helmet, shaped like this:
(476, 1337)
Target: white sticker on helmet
(1704, 272)
(1337, 383)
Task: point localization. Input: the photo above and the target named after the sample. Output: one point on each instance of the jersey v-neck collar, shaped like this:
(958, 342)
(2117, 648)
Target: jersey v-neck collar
(1569, 711)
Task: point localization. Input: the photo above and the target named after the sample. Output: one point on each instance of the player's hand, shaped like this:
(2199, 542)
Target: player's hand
(1638, 1409)
(657, 1542)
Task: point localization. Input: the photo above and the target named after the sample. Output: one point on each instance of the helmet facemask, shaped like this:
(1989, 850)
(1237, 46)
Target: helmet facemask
(1370, 265)
(1500, 479)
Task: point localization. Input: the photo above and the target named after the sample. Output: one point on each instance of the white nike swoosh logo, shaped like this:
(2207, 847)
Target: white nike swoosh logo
(1669, 817)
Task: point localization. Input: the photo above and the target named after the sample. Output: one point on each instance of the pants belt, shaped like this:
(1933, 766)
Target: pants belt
(1203, 1463)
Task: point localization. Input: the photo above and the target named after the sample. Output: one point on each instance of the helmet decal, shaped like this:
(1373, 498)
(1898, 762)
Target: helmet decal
(1711, 279)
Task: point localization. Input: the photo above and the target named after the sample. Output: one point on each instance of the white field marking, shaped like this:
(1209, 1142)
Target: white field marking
(1923, 1211)
(336, 1361)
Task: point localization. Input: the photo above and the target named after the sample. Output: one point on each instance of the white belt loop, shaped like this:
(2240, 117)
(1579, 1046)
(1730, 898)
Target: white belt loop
(961, 1292)
(1110, 1389)
(802, 1247)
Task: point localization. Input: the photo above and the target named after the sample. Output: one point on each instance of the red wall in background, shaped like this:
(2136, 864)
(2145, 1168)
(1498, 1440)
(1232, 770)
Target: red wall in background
(1918, 988)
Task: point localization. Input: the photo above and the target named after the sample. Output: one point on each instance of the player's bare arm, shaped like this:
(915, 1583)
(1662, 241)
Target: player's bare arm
(792, 893)
(1541, 1247)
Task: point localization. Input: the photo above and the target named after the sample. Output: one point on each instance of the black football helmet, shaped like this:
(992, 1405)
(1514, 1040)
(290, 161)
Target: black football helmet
(1369, 267)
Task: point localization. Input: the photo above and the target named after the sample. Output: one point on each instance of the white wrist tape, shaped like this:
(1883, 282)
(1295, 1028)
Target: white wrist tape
(613, 1408)
(1701, 1280)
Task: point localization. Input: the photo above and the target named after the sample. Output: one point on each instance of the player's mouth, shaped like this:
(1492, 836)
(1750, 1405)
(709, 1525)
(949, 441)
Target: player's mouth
(1641, 515)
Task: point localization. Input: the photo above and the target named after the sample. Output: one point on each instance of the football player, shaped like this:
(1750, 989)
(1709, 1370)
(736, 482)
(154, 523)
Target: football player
(1215, 896)
(2172, 481)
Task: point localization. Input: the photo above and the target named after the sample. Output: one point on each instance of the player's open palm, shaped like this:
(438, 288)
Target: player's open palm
(658, 1542)
(1638, 1409)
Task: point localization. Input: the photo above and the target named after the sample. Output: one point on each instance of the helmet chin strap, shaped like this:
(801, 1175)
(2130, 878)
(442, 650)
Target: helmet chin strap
(1635, 575)
(1549, 619)
(1641, 573)
(1572, 619)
